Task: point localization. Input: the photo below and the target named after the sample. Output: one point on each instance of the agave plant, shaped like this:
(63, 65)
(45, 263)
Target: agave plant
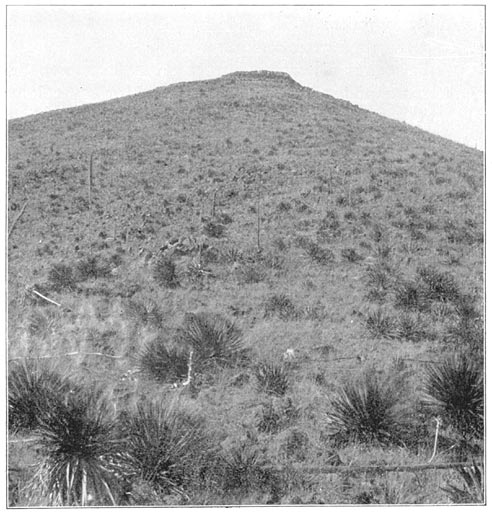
(272, 379)
(364, 411)
(77, 438)
(163, 362)
(164, 446)
(454, 390)
(33, 388)
(213, 339)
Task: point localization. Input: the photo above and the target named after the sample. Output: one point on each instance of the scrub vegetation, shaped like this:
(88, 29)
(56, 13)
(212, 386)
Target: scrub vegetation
(220, 290)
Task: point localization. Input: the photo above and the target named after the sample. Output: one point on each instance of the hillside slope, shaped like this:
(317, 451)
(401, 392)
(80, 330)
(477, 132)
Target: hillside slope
(344, 246)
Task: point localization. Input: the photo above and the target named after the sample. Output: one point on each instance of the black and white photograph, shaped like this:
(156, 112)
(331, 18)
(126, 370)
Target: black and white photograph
(244, 255)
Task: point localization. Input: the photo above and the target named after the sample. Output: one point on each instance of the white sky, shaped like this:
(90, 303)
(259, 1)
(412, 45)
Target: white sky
(422, 65)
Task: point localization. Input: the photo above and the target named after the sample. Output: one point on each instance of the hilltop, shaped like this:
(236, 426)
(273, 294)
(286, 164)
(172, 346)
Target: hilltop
(330, 240)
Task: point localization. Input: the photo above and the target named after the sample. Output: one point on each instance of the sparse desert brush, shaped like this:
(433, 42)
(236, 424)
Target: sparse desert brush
(272, 379)
(167, 447)
(162, 361)
(440, 286)
(280, 305)
(467, 329)
(62, 277)
(33, 389)
(42, 323)
(214, 229)
(364, 411)
(351, 255)
(454, 390)
(164, 272)
(410, 327)
(213, 338)
(276, 414)
(379, 278)
(252, 273)
(77, 440)
(92, 267)
(319, 254)
(145, 312)
(380, 323)
(412, 295)
(473, 485)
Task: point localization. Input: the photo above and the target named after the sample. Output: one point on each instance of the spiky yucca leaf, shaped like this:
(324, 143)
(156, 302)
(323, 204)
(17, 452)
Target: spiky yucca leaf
(33, 388)
(454, 390)
(163, 362)
(77, 438)
(212, 338)
(272, 379)
(164, 446)
(364, 411)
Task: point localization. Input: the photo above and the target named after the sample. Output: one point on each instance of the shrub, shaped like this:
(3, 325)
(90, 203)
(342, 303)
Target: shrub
(319, 254)
(213, 338)
(473, 490)
(454, 390)
(380, 323)
(379, 280)
(364, 411)
(467, 329)
(164, 272)
(164, 446)
(33, 388)
(77, 438)
(145, 312)
(272, 379)
(409, 327)
(214, 229)
(440, 286)
(92, 267)
(252, 273)
(411, 295)
(280, 305)
(162, 362)
(61, 277)
(351, 255)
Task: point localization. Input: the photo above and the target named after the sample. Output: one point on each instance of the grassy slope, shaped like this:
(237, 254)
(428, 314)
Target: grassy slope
(159, 157)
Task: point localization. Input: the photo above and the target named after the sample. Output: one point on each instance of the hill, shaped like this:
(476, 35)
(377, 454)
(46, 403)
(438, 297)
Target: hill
(341, 244)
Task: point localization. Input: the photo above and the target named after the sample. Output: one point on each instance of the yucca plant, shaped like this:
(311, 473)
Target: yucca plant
(164, 446)
(33, 389)
(77, 439)
(454, 390)
(163, 362)
(213, 338)
(364, 411)
(272, 379)
(380, 323)
(441, 286)
(164, 272)
(473, 485)
(281, 305)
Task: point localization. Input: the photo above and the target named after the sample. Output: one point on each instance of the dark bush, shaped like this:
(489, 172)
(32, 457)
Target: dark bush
(213, 338)
(276, 415)
(62, 277)
(455, 391)
(319, 254)
(214, 229)
(282, 306)
(380, 323)
(164, 272)
(364, 411)
(92, 267)
(411, 295)
(33, 389)
(272, 379)
(351, 255)
(440, 286)
(164, 362)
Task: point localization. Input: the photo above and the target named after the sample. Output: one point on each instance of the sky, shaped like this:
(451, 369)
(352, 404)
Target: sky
(420, 64)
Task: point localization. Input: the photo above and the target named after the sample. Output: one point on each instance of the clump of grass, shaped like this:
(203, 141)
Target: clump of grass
(92, 267)
(454, 390)
(364, 411)
(214, 229)
(164, 446)
(410, 327)
(275, 415)
(440, 286)
(319, 254)
(213, 338)
(411, 295)
(62, 277)
(163, 362)
(280, 305)
(33, 389)
(467, 329)
(380, 323)
(145, 312)
(379, 280)
(164, 272)
(77, 437)
(252, 273)
(473, 485)
(351, 255)
(272, 379)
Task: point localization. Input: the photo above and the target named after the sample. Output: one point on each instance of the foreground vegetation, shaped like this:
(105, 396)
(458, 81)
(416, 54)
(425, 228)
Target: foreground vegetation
(246, 285)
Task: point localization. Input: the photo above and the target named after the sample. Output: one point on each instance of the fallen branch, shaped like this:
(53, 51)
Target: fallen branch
(17, 218)
(396, 469)
(68, 354)
(45, 298)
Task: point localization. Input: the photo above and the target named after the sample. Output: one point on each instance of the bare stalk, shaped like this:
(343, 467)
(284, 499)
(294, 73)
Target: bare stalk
(17, 218)
(258, 221)
(213, 204)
